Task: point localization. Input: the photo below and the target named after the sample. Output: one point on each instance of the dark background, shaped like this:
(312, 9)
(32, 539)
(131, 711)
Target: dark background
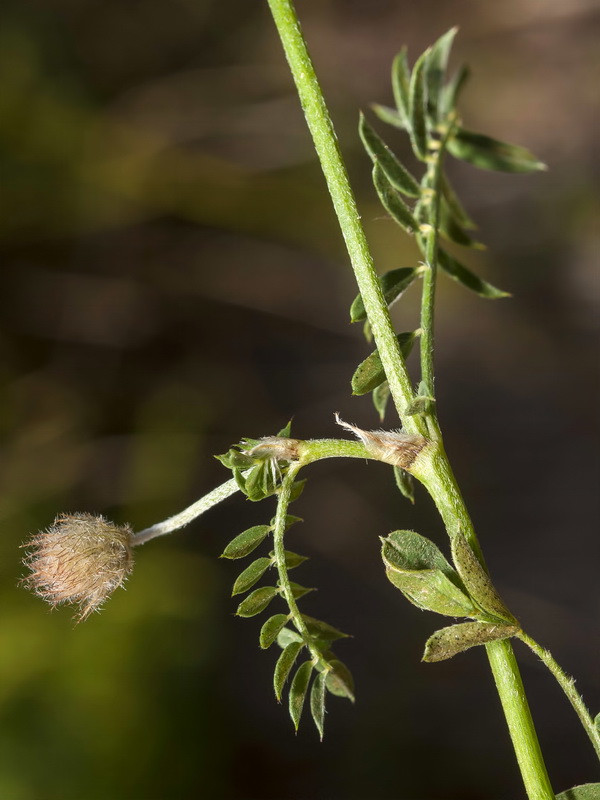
(172, 280)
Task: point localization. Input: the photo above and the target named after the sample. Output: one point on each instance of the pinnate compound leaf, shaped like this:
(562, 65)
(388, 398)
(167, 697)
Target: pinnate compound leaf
(436, 64)
(399, 177)
(283, 666)
(476, 580)
(271, 630)
(246, 542)
(392, 201)
(468, 279)
(251, 575)
(298, 689)
(487, 153)
(448, 642)
(401, 86)
(418, 106)
(393, 285)
(257, 601)
(405, 483)
(587, 791)
(317, 702)
(370, 373)
(322, 631)
(381, 396)
(339, 681)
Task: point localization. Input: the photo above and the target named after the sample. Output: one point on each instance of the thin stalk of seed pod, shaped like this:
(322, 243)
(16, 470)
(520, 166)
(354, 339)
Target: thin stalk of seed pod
(567, 684)
(186, 516)
(500, 654)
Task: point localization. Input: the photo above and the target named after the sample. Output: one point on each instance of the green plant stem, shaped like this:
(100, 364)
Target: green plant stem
(567, 684)
(500, 653)
(328, 151)
(283, 501)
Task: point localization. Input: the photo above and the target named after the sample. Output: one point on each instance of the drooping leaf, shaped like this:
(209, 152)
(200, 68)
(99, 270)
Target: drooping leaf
(283, 666)
(389, 115)
(418, 107)
(322, 630)
(399, 177)
(381, 396)
(453, 89)
(317, 702)
(476, 580)
(587, 791)
(393, 285)
(455, 639)
(257, 601)
(298, 689)
(468, 279)
(393, 202)
(271, 630)
(246, 542)
(405, 483)
(487, 153)
(251, 575)
(339, 680)
(436, 64)
(370, 373)
(400, 86)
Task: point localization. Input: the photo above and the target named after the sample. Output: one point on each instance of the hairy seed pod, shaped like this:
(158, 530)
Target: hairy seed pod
(80, 559)
(392, 447)
(278, 447)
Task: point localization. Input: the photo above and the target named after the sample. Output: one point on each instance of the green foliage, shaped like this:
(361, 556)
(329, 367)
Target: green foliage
(588, 791)
(448, 642)
(370, 373)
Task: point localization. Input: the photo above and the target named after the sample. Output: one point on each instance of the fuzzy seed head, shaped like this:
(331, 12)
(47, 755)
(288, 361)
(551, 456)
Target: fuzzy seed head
(80, 559)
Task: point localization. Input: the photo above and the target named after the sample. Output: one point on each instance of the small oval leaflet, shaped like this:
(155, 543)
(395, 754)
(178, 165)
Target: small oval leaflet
(381, 396)
(283, 666)
(317, 702)
(400, 86)
(251, 575)
(393, 285)
(246, 542)
(298, 691)
(487, 153)
(257, 601)
(299, 591)
(418, 106)
(399, 177)
(370, 373)
(322, 631)
(448, 642)
(468, 279)
(392, 202)
(339, 680)
(271, 629)
(587, 791)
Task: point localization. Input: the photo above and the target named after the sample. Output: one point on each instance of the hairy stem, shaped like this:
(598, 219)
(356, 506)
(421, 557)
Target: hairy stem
(332, 164)
(567, 684)
(500, 653)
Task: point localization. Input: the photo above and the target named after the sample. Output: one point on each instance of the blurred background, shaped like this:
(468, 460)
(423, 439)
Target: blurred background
(173, 279)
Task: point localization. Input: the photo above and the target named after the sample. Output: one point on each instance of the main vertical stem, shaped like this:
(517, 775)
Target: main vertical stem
(327, 148)
(442, 484)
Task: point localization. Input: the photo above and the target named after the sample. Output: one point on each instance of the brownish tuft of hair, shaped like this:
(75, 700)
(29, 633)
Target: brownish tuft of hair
(80, 559)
